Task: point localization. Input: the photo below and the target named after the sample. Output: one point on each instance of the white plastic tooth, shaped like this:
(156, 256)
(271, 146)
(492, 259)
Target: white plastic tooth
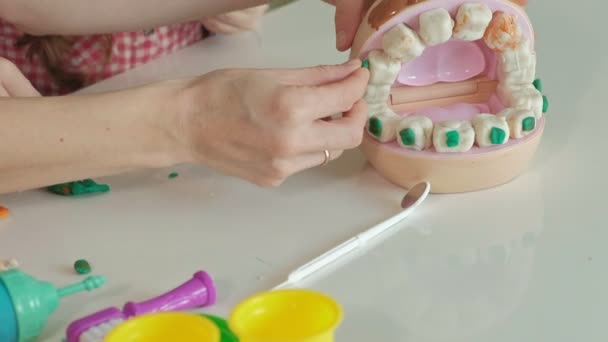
(415, 132)
(521, 97)
(522, 122)
(472, 19)
(383, 126)
(436, 26)
(382, 67)
(490, 130)
(453, 136)
(402, 43)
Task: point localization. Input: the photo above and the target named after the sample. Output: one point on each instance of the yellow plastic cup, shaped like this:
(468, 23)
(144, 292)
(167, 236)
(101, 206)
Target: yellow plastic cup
(286, 316)
(165, 327)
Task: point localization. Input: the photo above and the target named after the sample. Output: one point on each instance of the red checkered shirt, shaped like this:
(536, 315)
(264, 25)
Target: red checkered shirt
(88, 55)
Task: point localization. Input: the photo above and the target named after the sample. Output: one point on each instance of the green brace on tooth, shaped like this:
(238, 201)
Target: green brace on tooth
(375, 126)
(453, 138)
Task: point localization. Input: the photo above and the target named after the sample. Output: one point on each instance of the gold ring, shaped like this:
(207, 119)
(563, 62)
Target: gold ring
(327, 157)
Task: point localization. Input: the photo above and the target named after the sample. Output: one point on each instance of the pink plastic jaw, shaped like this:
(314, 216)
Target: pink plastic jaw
(455, 61)
(455, 80)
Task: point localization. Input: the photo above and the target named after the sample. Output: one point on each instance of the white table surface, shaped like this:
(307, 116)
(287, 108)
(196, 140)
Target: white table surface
(522, 262)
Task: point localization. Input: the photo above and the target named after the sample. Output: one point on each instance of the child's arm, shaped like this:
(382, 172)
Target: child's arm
(75, 17)
(13, 82)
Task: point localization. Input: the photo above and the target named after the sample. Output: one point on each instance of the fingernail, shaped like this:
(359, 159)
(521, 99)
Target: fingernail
(341, 39)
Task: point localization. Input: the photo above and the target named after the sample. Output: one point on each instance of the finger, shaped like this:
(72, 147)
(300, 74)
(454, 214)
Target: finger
(241, 19)
(317, 75)
(3, 92)
(216, 26)
(334, 98)
(344, 133)
(15, 84)
(20, 87)
(348, 17)
(306, 161)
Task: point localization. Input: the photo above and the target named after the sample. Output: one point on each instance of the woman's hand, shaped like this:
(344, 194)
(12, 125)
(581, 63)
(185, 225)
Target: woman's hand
(266, 125)
(348, 17)
(237, 21)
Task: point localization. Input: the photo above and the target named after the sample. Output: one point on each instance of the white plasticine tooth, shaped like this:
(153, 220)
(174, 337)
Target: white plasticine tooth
(383, 68)
(517, 66)
(377, 93)
(472, 19)
(521, 97)
(453, 131)
(383, 126)
(402, 43)
(517, 78)
(503, 32)
(490, 130)
(518, 58)
(522, 122)
(375, 108)
(420, 127)
(436, 26)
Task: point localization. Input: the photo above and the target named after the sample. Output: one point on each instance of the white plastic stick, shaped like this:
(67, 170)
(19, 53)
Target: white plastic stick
(350, 245)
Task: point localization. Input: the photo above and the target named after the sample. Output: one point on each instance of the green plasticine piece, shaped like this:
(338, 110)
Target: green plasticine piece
(87, 186)
(497, 135)
(82, 267)
(545, 104)
(538, 84)
(408, 137)
(453, 138)
(365, 64)
(528, 124)
(226, 334)
(375, 126)
(173, 175)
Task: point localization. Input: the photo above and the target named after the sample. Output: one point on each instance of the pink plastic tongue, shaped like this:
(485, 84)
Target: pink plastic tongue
(453, 61)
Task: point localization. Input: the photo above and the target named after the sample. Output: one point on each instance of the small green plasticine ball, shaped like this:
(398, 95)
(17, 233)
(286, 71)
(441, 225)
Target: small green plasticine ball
(173, 175)
(82, 267)
(365, 64)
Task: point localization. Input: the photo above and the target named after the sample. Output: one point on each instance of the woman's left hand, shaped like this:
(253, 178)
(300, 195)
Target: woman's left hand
(235, 22)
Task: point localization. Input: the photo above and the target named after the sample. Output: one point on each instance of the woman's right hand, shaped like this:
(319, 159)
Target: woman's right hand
(266, 125)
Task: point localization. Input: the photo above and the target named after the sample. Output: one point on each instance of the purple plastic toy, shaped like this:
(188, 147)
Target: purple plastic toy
(195, 293)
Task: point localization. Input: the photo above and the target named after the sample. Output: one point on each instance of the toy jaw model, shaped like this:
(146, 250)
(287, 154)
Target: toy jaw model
(452, 96)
